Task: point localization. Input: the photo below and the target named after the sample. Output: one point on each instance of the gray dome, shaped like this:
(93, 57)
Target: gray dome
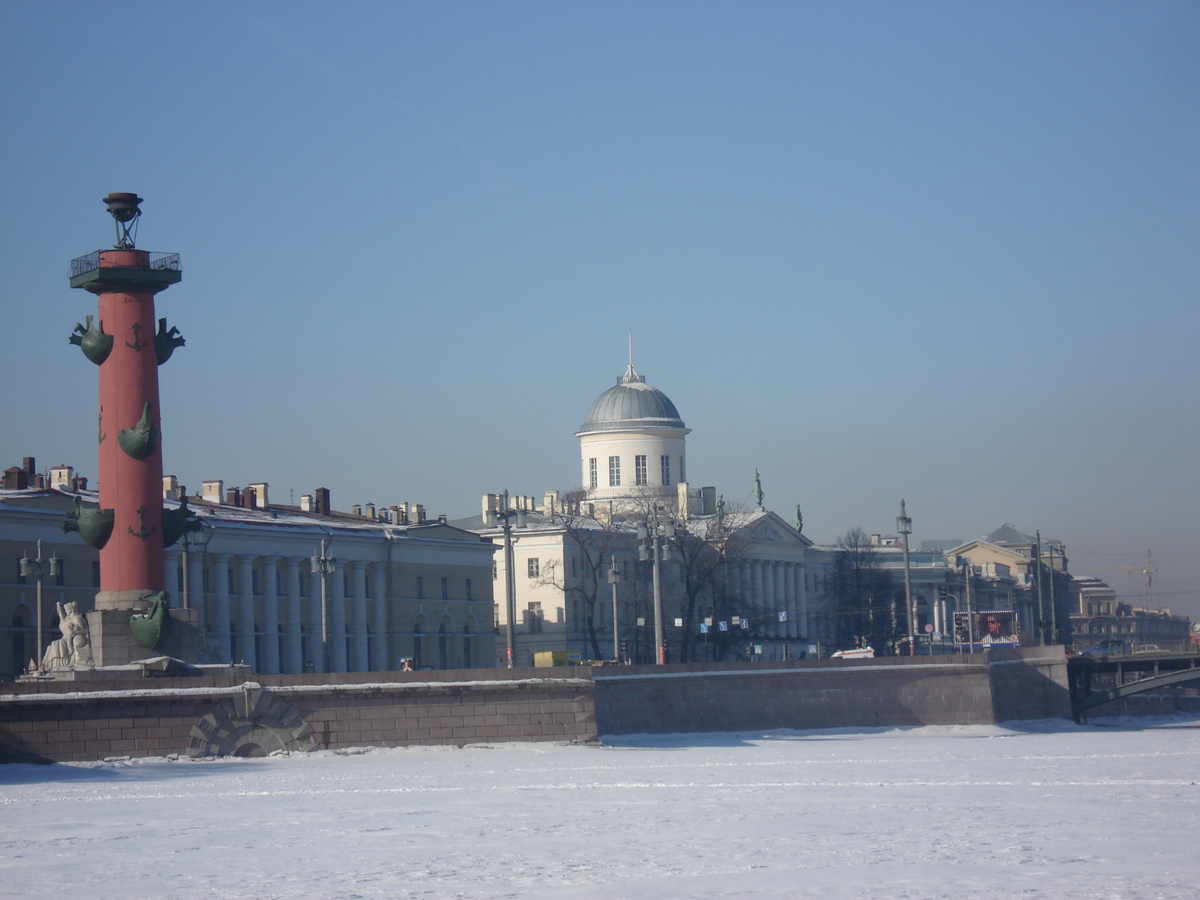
(631, 403)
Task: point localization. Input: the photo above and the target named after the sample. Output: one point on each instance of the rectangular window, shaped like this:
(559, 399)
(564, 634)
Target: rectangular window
(534, 567)
(593, 475)
(665, 462)
(61, 578)
(278, 582)
(639, 470)
(96, 574)
(256, 584)
(420, 588)
(614, 471)
(445, 588)
(682, 470)
(495, 571)
(470, 595)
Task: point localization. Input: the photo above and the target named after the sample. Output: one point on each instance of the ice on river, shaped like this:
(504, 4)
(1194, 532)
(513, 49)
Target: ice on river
(1043, 810)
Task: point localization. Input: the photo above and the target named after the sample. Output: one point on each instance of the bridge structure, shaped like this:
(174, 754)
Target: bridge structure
(1096, 681)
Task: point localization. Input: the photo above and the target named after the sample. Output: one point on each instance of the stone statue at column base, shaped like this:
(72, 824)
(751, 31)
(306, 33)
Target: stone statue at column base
(72, 650)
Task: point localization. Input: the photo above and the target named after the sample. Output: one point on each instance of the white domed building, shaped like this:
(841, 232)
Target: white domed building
(632, 442)
(633, 458)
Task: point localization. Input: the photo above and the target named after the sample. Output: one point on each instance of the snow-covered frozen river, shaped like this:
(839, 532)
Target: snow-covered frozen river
(1051, 810)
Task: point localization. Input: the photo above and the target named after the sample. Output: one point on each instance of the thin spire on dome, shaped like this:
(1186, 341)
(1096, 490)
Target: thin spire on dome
(631, 376)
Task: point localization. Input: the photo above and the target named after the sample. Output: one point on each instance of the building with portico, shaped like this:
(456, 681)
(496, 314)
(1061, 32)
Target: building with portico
(737, 583)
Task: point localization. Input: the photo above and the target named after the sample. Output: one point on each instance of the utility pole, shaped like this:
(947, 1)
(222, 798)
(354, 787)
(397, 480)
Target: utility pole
(1053, 607)
(967, 595)
(904, 526)
(1041, 599)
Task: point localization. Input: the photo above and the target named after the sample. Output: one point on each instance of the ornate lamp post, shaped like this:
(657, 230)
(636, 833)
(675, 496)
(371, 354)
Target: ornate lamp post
(324, 566)
(904, 526)
(614, 578)
(655, 534)
(39, 568)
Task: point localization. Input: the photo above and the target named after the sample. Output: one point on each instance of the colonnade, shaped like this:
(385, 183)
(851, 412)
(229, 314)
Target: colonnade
(771, 587)
(281, 607)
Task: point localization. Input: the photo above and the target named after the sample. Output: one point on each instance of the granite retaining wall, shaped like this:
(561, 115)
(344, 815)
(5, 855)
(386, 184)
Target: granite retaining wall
(230, 715)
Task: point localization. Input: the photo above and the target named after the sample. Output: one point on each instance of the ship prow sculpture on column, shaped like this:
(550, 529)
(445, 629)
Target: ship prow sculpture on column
(133, 619)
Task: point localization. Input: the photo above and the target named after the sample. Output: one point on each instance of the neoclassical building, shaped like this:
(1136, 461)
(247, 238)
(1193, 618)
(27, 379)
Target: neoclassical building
(397, 587)
(740, 584)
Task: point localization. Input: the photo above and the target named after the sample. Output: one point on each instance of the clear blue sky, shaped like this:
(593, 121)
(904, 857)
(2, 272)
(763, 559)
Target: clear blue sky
(942, 251)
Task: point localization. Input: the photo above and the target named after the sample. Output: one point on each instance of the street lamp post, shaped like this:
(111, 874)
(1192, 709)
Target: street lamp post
(324, 566)
(654, 535)
(614, 578)
(904, 526)
(510, 579)
(39, 568)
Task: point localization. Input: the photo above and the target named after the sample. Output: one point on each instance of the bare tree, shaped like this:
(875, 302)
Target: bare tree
(865, 595)
(591, 536)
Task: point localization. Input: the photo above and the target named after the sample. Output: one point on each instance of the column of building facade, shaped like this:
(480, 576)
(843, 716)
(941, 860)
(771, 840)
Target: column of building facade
(801, 627)
(782, 600)
(294, 656)
(793, 601)
(221, 615)
(245, 642)
(764, 598)
(337, 620)
(316, 648)
(784, 581)
(270, 616)
(171, 576)
(196, 594)
(361, 657)
(756, 568)
(379, 642)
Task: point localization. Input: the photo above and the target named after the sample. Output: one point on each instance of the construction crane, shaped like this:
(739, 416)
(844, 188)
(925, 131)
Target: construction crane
(1147, 569)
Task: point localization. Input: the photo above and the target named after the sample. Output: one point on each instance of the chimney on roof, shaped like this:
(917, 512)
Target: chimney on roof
(321, 496)
(233, 497)
(170, 487)
(399, 515)
(306, 503)
(876, 540)
(29, 465)
(260, 494)
(418, 513)
(61, 477)
(442, 518)
(371, 511)
(249, 498)
(15, 479)
(212, 491)
(79, 483)
(356, 510)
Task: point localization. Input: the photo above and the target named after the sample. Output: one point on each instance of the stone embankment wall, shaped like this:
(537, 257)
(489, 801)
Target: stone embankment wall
(227, 715)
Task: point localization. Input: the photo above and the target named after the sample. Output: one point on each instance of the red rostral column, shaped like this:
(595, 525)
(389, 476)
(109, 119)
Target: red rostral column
(128, 351)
